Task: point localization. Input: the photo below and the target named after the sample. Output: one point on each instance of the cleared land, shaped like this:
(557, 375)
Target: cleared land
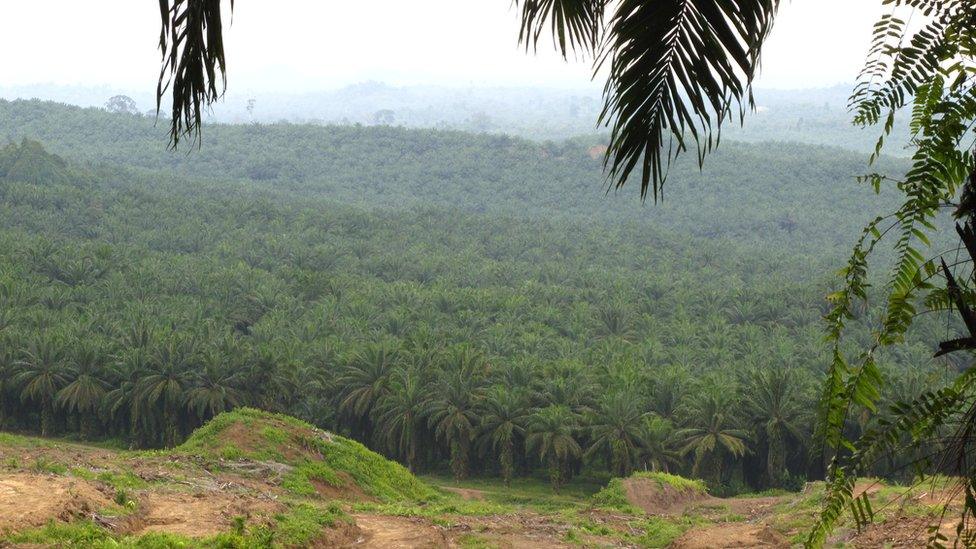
(250, 479)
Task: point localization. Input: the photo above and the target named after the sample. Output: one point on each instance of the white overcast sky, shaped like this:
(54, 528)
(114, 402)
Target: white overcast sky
(306, 45)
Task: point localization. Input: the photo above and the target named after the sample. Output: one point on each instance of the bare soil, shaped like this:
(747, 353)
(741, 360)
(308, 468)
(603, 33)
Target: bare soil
(28, 500)
(525, 529)
(900, 531)
(386, 532)
(737, 534)
(184, 497)
(198, 514)
(655, 498)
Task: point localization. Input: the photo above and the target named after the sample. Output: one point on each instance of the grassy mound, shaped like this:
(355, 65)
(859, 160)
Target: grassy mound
(310, 461)
(650, 492)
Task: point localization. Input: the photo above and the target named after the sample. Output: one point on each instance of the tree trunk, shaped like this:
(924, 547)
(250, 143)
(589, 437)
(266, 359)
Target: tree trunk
(459, 460)
(412, 453)
(507, 462)
(775, 460)
(87, 426)
(47, 418)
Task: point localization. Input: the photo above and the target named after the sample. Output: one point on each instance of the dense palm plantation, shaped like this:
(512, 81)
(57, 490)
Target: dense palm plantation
(472, 329)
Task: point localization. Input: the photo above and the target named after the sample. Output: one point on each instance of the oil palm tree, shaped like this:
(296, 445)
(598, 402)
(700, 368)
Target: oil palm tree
(453, 414)
(668, 391)
(121, 404)
(711, 433)
(658, 452)
(8, 386)
(214, 388)
(617, 429)
(41, 375)
(566, 383)
(163, 389)
(401, 413)
(772, 403)
(552, 438)
(504, 413)
(84, 394)
(614, 321)
(365, 379)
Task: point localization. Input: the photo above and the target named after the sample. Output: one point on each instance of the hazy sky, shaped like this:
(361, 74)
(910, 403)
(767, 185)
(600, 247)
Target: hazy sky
(304, 45)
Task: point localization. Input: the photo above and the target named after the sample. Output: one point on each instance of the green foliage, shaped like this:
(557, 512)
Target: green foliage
(925, 68)
(613, 496)
(677, 482)
(29, 162)
(659, 531)
(444, 306)
(44, 465)
(303, 523)
(316, 455)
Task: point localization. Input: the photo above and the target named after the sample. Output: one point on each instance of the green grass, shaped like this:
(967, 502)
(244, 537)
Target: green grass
(675, 481)
(119, 480)
(614, 497)
(437, 511)
(530, 492)
(18, 441)
(768, 493)
(660, 531)
(12, 440)
(43, 465)
(298, 481)
(303, 523)
(320, 456)
(297, 527)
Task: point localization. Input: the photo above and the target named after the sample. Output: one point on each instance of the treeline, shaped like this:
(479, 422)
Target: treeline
(136, 304)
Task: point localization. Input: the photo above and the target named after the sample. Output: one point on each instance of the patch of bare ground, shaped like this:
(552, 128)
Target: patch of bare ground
(198, 514)
(29, 500)
(902, 531)
(753, 508)
(241, 436)
(515, 530)
(389, 532)
(656, 498)
(729, 535)
(905, 529)
(523, 530)
(341, 535)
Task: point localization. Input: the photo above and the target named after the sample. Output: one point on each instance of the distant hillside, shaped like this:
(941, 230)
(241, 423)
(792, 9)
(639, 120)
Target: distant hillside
(777, 192)
(814, 116)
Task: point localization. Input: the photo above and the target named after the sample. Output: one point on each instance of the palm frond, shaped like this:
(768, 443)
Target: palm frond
(676, 69)
(575, 24)
(193, 68)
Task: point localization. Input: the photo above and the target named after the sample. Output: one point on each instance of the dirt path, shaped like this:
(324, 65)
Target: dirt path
(723, 536)
(386, 532)
(32, 500)
(197, 514)
(470, 494)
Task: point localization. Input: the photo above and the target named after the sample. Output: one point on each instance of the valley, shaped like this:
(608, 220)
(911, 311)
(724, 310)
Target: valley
(476, 308)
